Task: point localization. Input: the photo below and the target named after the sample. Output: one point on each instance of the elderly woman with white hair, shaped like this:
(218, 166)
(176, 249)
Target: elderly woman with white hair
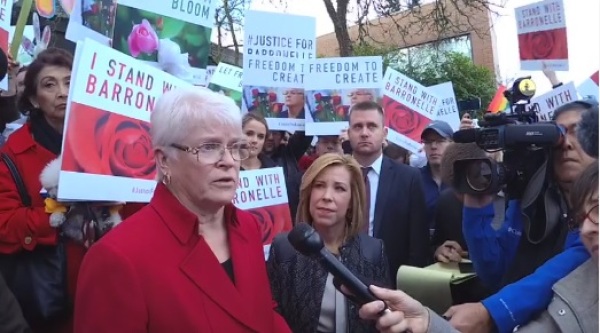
(189, 261)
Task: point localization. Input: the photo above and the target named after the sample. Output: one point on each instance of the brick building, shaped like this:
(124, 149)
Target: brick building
(469, 33)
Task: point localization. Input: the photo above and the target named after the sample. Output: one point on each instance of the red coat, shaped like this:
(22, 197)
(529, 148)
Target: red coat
(24, 228)
(154, 273)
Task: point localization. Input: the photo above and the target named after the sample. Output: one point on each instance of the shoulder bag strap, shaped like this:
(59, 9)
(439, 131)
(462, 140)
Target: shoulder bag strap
(25, 198)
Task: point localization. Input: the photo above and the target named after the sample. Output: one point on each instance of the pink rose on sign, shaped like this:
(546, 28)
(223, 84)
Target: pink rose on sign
(142, 39)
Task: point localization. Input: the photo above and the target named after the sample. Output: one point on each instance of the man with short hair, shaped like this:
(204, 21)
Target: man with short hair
(395, 199)
(435, 138)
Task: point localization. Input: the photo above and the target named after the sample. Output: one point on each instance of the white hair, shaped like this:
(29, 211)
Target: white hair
(181, 110)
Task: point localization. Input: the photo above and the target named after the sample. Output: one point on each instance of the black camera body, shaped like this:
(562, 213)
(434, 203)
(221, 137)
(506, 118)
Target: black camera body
(525, 142)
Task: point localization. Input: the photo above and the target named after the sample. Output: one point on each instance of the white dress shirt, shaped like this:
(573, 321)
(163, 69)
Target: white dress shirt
(373, 175)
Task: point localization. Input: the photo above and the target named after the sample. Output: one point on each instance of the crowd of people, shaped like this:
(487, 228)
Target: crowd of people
(190, 261)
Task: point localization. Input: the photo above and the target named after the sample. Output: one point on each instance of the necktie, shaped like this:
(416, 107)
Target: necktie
(365, 172)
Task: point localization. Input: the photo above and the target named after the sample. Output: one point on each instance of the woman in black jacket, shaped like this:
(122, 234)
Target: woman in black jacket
(332, 200)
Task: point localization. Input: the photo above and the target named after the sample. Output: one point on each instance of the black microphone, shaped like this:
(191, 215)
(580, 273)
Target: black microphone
(466, 135)
(308, 242)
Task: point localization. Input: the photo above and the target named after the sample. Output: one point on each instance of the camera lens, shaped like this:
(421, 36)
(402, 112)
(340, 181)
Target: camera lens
(479, 175)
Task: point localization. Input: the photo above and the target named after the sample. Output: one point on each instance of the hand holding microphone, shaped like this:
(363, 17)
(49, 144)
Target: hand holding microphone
(404, 314)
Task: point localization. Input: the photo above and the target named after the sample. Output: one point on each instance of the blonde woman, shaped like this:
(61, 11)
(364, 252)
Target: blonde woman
(332, 197)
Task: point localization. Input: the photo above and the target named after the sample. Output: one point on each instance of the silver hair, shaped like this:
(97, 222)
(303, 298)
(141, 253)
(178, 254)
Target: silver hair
(181, 110)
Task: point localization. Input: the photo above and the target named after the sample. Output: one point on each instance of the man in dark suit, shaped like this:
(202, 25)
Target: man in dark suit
(396, 203)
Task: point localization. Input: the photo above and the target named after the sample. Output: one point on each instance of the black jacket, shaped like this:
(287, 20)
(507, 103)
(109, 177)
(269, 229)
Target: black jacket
(11, 317)
(287, 157)
(298, 282)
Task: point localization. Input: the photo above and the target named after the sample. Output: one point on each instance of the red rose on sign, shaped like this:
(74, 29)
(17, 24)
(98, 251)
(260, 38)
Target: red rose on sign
(404, 120)
(318, 97)
(336, 100)
(272, 97)
(272, 220)
(254, 92)
(340, 110)
(277, 107)
(544, 45)
(106, 143)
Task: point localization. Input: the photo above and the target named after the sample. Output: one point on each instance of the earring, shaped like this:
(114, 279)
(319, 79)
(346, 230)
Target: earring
(166, 179)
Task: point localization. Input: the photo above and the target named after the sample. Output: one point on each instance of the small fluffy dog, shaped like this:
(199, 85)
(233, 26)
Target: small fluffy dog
(80, 218)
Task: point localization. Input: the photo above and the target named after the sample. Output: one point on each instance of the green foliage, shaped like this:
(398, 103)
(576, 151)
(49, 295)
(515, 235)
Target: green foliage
(431, 68)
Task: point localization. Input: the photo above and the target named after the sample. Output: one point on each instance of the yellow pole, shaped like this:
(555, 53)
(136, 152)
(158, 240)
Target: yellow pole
(20, 27)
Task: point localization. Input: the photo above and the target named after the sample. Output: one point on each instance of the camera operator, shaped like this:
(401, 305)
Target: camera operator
(503, 257)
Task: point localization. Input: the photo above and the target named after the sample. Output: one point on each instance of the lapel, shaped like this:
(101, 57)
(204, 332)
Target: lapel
(386, 181)
(202, 267)
(310, 273)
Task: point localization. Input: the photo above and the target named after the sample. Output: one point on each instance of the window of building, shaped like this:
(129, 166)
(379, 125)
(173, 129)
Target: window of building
(432, 51)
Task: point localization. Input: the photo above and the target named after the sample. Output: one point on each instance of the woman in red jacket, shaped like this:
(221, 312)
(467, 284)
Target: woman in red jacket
(31, 148)
(189, 261)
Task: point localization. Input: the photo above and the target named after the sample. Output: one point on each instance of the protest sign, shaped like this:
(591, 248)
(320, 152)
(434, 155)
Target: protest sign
(589, 87)
(409, 107)
(5, 16)
(553, 99)
(333, 85)
(107, 149)
(274, 67)
(227, 80)
(542, 35)
(92, 19)
(172, 35)
(210, 70)
(448, 109)
(263, 193)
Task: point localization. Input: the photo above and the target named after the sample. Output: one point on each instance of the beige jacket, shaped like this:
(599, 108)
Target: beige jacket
(573, 309)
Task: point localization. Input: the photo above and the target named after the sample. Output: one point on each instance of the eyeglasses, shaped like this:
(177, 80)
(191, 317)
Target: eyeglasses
(591, 214)
(212, 152)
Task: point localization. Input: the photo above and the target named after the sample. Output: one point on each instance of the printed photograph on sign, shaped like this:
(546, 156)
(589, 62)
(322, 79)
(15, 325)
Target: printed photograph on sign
(92, 19)
(403, 119)
(542, 36)
(263, 193)
(334, 105)
(169, 43)
(285, 103)
(408, 108)
(235, 95)
(5, 31)
(104, 143)
(99, 16)
(272, 220)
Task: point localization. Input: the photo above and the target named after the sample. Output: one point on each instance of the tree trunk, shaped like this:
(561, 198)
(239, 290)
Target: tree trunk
(340, 26)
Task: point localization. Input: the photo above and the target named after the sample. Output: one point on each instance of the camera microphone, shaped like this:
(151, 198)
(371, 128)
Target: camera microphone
(308, 242)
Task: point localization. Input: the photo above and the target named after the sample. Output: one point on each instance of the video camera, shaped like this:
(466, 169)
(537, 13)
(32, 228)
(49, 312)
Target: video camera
(525, 141)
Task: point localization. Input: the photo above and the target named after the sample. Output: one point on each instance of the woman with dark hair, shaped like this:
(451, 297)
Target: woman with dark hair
(256, 129)
(26, 227)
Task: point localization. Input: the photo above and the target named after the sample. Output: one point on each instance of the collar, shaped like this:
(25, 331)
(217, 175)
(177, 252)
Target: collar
(580, 287)
(21, 140)
(182, 223)
(376, 165)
